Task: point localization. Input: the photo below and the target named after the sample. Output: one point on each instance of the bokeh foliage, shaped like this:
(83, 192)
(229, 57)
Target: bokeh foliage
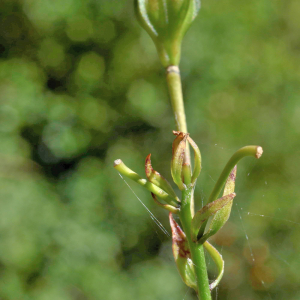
(81, 85)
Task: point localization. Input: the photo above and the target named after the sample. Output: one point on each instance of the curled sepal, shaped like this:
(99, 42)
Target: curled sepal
(217, 258)
(124, 170)
(157, 179)
(182, 255)
(178, 149)
(221, 216)
(170, 208)
(166, 21)
(207, 211)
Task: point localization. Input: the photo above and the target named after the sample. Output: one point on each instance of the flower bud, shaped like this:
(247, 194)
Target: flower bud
(166, 21)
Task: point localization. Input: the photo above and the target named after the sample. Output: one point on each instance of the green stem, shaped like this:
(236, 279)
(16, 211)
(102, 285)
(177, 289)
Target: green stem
(175, 91)
(197, 251)
(187, 204)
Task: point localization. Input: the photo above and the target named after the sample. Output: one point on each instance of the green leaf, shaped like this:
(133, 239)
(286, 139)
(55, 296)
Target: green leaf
(217, 258)
(222, 216)
(207, 211)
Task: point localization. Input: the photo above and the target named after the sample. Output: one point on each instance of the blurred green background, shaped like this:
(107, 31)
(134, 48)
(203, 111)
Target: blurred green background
(81, 85)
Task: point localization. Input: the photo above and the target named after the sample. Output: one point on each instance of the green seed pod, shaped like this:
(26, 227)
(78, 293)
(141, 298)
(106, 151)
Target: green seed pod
(124, 170)
(167, 21)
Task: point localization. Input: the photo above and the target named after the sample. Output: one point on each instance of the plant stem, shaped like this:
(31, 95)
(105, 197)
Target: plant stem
(175, 91)
(187, 204)
(197, 250)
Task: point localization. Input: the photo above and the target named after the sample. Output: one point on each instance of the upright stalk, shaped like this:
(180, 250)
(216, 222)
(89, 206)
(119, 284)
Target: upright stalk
(175, 91)
(187, 204)
(197, 250)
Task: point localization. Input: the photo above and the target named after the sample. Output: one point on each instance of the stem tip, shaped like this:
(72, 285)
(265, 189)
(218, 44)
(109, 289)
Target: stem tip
(259, 152)
(117, 162)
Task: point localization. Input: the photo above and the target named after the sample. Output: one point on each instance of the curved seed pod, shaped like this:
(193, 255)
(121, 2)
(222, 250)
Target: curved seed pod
(222, 216)
(166, 21)
(157, 179)
(217, 258)
(207, 211)
(182, 255)
(124, 170)
(253, 150)
(178, 149)
(168, 207)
